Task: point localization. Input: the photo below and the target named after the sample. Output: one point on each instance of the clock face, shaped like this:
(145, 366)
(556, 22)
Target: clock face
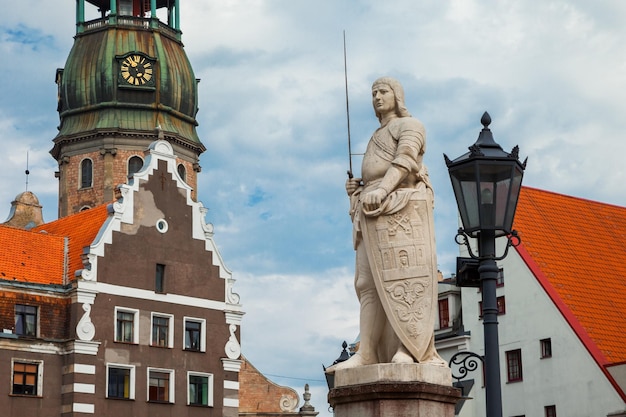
(136, 70)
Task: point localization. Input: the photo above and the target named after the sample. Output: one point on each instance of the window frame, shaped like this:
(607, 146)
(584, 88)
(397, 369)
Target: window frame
(210, 399)
(135, 330)
(131, 388)
(444, 319)
(500, 304)
(549, 410)
(183, 175)
(84, 175)
(546, 348)
(38, 385)
(129, 171)
(170, 329)
(500, 278)
(202, 322)
(514, 370)
(124, 7)
(170, 388)
(23, 315)
(159, 279)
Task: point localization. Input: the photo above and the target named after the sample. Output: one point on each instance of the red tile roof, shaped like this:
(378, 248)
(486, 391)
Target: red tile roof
(31, 257)
(37, 255)
(81, 229)
(575, 247)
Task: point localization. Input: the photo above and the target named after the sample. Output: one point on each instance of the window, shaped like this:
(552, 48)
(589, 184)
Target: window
(121, 382)
(195, 330)
(159, 279)
(27, 377)
(546, 348)
(500, 278)
(550, 410)
(500, 302)
(501, 305)
(200, 389)
(25, 320)
(126, 328)
(160, 385)
(161, 334)
(126, 7)
(182, 172)
(514, 365)
(135, 164)
(86, 173)
(444, 314)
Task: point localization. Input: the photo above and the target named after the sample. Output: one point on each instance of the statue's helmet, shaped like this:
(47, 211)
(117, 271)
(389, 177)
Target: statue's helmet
(398, 93)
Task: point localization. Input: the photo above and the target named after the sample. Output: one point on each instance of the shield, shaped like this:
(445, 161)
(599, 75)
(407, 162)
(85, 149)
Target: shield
(400, 247)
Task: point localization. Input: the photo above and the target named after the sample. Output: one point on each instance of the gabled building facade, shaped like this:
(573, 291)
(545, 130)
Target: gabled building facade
(562, 309)
(123, 309)
(123, 306)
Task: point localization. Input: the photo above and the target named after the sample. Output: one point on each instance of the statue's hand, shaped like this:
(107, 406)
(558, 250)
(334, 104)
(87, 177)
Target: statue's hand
(373, 199)
(352, 184)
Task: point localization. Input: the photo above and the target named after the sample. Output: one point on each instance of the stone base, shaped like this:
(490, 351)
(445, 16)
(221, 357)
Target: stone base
(394, 390)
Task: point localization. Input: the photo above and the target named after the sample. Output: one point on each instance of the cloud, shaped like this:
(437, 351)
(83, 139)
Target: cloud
(273, 119)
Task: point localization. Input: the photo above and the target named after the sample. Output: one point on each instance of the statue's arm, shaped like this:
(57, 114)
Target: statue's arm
(410, 136)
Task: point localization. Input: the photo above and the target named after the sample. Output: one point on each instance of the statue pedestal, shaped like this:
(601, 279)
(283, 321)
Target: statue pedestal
(394, 390)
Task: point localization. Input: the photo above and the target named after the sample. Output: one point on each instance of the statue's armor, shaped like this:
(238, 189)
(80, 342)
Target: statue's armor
(399, 235)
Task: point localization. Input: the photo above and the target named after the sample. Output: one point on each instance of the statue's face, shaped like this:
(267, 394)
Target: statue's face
(383, 99)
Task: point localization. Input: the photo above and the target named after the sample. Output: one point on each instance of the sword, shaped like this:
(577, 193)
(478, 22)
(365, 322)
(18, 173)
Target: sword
(345, 76)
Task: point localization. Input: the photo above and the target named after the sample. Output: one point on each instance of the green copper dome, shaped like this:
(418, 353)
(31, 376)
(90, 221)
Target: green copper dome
(127, 75)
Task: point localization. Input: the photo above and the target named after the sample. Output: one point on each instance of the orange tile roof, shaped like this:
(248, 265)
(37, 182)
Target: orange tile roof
(81, 229)
(31, 257)
(577, 253)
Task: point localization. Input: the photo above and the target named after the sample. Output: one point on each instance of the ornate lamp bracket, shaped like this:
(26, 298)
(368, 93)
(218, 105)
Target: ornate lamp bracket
(462, 238)
(466, 362)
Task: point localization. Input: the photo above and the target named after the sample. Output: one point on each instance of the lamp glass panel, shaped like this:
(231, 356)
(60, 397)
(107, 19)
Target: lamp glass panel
(495, 177)
(516, 185)
(466, 193)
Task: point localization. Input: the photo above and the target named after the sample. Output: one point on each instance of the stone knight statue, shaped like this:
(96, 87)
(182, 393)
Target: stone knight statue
(392, 213)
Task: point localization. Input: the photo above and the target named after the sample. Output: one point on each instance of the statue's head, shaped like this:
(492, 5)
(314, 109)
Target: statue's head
(398, 93)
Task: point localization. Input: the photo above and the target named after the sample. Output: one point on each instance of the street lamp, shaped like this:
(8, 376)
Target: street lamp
(486, 183)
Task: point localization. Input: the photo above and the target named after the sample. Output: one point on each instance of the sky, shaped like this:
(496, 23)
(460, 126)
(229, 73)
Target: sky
(272, 116)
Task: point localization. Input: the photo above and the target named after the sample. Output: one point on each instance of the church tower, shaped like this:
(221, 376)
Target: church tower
(126, 83)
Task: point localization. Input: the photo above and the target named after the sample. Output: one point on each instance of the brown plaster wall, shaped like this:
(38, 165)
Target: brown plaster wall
(132, 257)
(48, 405)
(130, 260)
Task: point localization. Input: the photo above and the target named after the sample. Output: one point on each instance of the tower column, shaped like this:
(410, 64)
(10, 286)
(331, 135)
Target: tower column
(80, 15)
(116, 121)
(154, 20)
(177, 14)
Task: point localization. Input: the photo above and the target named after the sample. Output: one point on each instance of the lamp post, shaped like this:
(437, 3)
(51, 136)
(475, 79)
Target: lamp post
(486, 183)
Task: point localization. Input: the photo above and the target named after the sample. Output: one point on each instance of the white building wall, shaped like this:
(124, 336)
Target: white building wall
(570, 379)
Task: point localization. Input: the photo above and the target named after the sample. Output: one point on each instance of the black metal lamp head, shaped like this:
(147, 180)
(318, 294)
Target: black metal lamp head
(343, 356)
(486, 183)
